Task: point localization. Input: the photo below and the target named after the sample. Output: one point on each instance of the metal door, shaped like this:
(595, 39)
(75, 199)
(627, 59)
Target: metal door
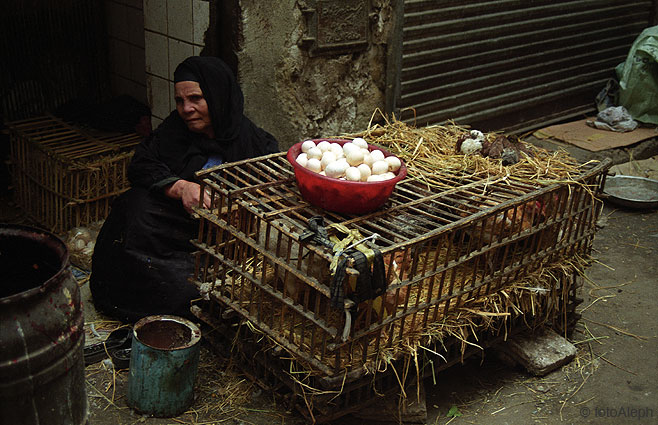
(511, 64)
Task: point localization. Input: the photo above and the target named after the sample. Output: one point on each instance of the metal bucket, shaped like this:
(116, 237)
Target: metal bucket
(163, 365)
(42, 376)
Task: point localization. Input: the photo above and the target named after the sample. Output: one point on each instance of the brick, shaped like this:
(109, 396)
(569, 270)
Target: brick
(540, 352)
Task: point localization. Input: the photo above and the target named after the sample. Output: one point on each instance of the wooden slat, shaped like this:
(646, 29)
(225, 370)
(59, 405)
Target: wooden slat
(63, 176)
(260, 217)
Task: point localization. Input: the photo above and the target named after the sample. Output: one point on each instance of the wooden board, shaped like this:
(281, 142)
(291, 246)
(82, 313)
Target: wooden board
(578, 133)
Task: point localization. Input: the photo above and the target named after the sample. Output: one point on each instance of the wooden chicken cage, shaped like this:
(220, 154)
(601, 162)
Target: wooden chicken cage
(263, 253)
(322, 399)
(65, 176)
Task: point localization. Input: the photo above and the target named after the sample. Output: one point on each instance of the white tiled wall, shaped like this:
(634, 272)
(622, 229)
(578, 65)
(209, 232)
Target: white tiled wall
(125, 29)
(173, 30)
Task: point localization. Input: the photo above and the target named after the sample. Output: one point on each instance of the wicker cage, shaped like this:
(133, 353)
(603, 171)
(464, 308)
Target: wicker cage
(65, 176)
(445, 251)
(322, 399)
(440, 249)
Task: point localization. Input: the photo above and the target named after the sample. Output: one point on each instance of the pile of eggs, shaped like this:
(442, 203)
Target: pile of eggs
(353, 161)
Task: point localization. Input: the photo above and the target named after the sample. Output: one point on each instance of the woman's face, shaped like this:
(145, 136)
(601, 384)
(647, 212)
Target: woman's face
(192, 107)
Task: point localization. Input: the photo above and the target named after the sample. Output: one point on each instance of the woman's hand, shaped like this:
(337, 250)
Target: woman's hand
(189, 194)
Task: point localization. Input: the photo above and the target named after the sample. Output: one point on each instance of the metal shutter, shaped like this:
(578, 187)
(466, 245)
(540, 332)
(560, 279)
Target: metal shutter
(511, 65)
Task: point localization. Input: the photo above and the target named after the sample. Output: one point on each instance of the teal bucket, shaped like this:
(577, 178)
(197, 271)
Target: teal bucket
(163, 365)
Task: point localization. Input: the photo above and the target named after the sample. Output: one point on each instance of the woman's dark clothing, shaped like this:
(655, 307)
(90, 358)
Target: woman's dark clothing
(142, 259)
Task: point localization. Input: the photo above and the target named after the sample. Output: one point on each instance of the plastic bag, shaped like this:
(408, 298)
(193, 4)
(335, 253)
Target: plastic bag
(615, 118)
(638, 78)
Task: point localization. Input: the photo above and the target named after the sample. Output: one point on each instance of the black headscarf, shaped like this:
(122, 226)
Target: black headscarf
(221, 91)
(176, 152)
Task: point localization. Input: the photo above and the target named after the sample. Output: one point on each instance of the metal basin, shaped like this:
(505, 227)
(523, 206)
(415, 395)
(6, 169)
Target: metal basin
(632, 192)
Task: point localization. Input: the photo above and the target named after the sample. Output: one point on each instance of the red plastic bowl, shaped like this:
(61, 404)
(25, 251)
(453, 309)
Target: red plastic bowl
(342, 196)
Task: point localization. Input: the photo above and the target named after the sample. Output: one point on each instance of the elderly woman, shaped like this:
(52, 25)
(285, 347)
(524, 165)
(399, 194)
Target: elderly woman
(142, 259)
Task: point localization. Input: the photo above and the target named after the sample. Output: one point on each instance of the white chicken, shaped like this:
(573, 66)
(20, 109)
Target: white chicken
(470, 146)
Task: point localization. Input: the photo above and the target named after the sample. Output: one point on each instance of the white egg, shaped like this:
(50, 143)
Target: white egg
(394, 163)
(308, 144)
(387, 176)
(343, 162)
(360, 142)
(302, 159)
(365, 171)
(368, 160)
(322, 173)
(379, 167)
(337, 150)
(80, 244)
(324, 145)
(327, 158)
(349, 147)
(374, 178)
(314, 152)
(336, 169)
(314, 165)
(377, 155)
(353, 174)
(354, 157)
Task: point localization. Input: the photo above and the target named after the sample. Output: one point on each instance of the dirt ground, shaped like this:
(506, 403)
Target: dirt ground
(612, 380)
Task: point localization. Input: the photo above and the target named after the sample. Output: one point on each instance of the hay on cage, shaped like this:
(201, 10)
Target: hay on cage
(428, 149)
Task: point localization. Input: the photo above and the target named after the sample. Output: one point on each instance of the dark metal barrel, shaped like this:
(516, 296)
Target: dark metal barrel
(42, 376)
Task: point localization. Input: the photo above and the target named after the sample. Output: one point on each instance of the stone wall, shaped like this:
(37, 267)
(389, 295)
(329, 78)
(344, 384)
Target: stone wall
(296, 94)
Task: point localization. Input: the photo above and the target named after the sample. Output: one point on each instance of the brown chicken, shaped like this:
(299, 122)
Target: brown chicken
(503, 148)
(401, 266)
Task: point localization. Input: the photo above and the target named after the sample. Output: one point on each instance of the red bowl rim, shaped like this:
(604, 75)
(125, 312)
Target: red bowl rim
(401, 174)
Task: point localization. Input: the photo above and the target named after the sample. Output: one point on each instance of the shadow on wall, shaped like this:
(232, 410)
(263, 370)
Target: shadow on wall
(123, 113)
(224, 33)
(5, 179)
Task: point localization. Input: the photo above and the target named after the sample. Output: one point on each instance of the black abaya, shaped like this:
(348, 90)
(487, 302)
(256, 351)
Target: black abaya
(142, 259)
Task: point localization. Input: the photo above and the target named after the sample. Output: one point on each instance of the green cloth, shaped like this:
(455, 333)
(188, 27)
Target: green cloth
(638, 78)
